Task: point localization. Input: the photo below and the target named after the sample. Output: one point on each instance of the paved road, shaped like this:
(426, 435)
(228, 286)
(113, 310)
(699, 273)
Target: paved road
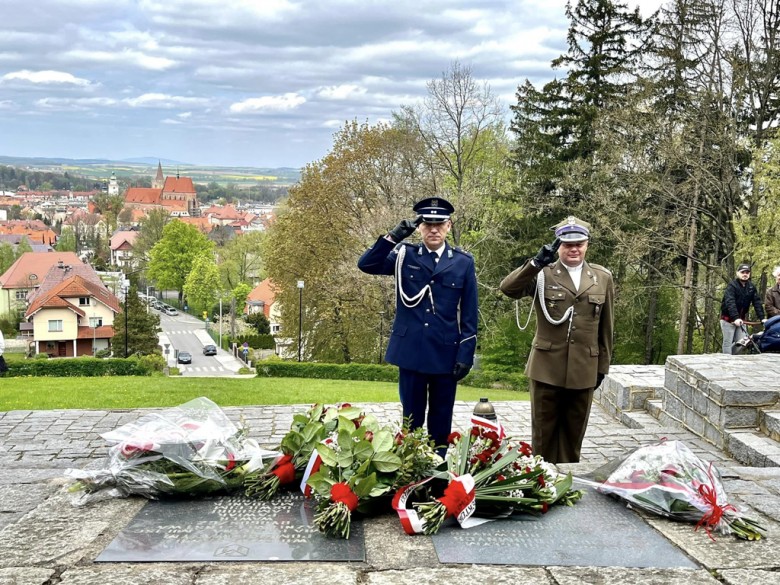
(186, 333)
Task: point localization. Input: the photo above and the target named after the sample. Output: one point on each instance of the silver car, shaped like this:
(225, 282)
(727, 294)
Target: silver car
(170, 311)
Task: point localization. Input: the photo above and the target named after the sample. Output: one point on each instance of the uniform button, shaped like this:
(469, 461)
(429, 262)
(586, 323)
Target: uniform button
(575, 313)
(431, 282)
(572, 341)
(426, 325)
(427, 310)
(577, 300)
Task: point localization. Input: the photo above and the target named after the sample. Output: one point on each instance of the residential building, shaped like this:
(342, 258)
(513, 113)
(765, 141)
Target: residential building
(27, 274)
(121, 246)
(15, 240)
(89, 228)
(263, 298)
(37, 231)
(74, 318)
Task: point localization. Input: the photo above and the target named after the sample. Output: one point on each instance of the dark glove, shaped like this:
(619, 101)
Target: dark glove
(546, 255)
(404, 229)
(461, 371)
(599, 379)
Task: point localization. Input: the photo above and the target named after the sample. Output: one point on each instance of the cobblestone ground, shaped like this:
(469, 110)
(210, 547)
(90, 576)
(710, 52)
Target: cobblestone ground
(44, 540)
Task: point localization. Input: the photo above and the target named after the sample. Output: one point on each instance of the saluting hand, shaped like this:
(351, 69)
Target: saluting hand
(546, 255)
(405, 228)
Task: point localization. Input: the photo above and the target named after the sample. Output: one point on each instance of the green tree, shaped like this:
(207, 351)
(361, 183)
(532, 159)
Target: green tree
(151, 232)
(172, 258)
(143, 327)
(15, 212)
(67, 242)
(202, 284)
(109, 206)
(24, 246)
(260, 322)
(240, 260)
(125, 216)
(240, 293)
(7, 257)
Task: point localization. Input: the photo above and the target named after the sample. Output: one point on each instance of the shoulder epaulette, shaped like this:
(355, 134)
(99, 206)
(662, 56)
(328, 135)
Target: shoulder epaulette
(462, 251)
(600, 267)
(409, 244)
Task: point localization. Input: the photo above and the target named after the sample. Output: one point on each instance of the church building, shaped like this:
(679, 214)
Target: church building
(176, 194)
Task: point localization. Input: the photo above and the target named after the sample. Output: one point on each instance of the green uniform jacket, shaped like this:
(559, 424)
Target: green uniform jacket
(572, 363)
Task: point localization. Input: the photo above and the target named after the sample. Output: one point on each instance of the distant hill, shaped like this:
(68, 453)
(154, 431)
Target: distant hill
(150, 160)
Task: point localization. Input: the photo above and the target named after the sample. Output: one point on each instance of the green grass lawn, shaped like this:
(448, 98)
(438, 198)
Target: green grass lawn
(13, 357)
(135, 392)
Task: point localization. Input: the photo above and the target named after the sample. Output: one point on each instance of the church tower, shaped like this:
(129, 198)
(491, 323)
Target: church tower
(113, 186)
(159, 180)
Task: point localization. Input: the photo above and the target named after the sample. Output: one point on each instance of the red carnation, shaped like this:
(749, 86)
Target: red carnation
(540, 479)
(399, 438)
(473, 460)
(452, 437)
(231, 461)
(500, 478)
(475, 431)
(492, 435)
(369, 436)
(525, 449)
(545, 507)
(358, 421)
(498, 457)
(345, 405)
(484, 457)
(528, 470)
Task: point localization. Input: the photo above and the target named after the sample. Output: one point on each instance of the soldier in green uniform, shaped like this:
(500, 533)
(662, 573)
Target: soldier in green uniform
(572, 348)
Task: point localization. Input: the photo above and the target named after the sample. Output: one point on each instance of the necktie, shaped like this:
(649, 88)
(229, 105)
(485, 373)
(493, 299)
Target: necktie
(435, 257)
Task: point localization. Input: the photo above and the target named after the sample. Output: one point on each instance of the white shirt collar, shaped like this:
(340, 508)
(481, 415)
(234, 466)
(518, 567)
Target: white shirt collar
(577, 268)
(439, 252)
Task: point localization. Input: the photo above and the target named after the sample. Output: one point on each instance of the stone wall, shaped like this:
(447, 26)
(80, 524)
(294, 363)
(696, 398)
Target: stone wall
(714, 393)
(628, 388)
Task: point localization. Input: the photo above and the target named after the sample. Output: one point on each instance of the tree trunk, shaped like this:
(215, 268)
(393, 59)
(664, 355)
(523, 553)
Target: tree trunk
(652, 306)
(689, 263)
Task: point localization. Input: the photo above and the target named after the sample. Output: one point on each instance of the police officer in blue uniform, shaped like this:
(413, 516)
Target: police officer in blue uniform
(435, 329)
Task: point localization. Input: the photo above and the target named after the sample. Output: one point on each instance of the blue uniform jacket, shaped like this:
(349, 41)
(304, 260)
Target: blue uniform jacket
(423, 340)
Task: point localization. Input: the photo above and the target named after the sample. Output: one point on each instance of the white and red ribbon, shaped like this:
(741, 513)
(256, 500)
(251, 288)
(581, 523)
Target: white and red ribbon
(312, 467)
(490, 425)
(410, 519)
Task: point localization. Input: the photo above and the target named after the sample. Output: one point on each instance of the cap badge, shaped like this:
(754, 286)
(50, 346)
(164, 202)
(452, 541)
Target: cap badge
(571, 220)
(435, 202)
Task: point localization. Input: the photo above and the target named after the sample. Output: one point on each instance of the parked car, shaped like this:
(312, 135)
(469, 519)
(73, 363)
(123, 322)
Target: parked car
(210, 350)
(171, 311)
(185, 357)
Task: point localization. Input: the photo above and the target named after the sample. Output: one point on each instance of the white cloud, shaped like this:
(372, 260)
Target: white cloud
(341, 92)
(332, 124)
(44, 77)
(169, 121)
(74, 103)
(126, 57)
(6, 105)
(268, 103)
(184, 115)
(161, 100)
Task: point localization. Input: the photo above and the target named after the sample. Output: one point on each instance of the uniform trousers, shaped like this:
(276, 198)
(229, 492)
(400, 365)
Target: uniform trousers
(559, 418)
(435, 391)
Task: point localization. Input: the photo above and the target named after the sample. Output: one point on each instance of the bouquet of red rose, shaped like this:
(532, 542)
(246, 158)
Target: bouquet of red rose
(489, 477)
(361, 465)
(668, 479)
(307, 430)
(192, 449)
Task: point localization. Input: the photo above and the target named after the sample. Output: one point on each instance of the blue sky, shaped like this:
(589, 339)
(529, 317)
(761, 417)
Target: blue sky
(246, 82)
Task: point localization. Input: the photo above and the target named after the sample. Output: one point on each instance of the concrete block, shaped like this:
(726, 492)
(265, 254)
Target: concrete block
(685, 392)
(654, 407)
(639, 399)
(700, 402)
(694, 421)
(667, 420)
(673, 406)
(713, 434)
(769, 421)
(623, 398)
(670, 379)
(737, 417)
(714, 412)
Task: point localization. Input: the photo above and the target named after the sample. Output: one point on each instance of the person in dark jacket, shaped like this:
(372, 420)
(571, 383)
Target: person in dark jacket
(740, 294)
(772, 300)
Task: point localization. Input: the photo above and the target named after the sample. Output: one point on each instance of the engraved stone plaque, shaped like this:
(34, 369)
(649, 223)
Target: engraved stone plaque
(597, 532)
(231, 528)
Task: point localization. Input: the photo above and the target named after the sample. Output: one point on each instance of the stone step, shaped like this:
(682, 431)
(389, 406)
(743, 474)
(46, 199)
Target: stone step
(752, 448)
(769, 421)
(654, 407)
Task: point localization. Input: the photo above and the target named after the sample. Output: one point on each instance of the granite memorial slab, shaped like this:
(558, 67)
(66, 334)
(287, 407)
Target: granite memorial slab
(231, 528)
(597, 532)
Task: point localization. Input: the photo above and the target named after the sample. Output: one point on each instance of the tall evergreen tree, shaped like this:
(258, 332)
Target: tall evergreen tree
(142, 326)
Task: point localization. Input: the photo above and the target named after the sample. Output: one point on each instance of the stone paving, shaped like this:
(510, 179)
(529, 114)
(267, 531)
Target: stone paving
(44, 540)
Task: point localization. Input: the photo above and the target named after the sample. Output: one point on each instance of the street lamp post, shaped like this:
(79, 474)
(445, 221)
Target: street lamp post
(300, 317)
(381, 333)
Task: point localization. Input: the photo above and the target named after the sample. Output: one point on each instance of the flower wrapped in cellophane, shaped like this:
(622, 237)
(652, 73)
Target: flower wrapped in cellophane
(488, 476)
(307, 430)
(192, 449)
(668, 479)
(361, 464)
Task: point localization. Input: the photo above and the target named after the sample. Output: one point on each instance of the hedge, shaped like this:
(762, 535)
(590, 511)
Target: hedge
(365, 372)
(376, 373)
(76, 367)
(256, 341)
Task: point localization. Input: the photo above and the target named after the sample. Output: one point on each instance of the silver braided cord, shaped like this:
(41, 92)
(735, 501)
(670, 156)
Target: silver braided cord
(539, 292)
(408, 301)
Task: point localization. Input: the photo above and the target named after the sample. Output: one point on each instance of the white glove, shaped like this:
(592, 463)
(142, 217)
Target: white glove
(763, 320)
(738, 323)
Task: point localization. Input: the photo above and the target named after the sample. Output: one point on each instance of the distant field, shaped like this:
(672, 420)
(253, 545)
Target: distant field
(199, 174)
